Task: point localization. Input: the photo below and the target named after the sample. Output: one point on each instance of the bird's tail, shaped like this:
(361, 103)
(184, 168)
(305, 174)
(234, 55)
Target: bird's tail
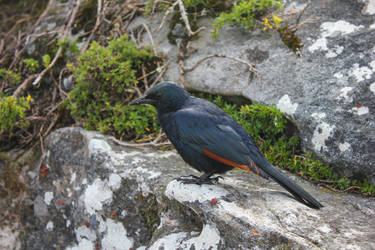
(299, 193)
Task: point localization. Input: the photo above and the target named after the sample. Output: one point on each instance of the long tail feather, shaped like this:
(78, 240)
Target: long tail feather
(299, 193)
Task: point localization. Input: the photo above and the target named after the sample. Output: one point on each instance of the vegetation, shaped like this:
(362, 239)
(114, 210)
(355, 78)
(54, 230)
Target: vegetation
(249, 13)
(105, 77)
(31, 65)
(12, 112)
(10, 77)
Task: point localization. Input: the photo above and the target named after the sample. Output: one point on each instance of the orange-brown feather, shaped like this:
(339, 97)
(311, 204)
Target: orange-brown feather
(229, 162)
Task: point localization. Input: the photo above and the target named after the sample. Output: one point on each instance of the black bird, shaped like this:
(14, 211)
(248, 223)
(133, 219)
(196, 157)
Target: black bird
(210, 140)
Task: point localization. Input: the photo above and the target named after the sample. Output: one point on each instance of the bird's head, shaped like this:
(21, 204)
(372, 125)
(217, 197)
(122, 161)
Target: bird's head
(165, 96)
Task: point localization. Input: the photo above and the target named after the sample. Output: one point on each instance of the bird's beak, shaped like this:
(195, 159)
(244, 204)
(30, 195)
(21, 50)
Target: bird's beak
(142, 100)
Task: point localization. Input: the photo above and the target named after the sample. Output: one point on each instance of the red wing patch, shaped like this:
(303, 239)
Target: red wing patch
(231, 163)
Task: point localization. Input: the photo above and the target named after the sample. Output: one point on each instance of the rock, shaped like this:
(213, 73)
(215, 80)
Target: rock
(67, 83)
(328, 92)
(102, 195)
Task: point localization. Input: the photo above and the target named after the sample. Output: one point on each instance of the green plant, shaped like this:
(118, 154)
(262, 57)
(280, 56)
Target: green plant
(68, 46)
(46, 60)
(105, 82)
(248, 13)
(9, 76)
(31, 64)
(13, 111)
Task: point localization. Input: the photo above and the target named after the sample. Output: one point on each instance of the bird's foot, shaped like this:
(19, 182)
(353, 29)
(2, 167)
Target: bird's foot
(192, 179)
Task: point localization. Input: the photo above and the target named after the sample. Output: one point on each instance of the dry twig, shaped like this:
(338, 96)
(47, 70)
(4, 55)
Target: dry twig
(137, 145)
(60, 49)
(99, 16)
(250, 66)
(186, 20)
(166, 13)
(151, 39)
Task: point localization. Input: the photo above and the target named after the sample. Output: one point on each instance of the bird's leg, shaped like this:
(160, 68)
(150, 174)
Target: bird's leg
(203, 179)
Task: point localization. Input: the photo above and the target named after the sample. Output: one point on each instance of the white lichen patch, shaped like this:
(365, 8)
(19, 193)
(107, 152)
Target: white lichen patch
(9, 238)
(73, 177)
(369, 9)
(48, 197)
(324, 228)
(114, 181)
(318, 115)
(372, 26)
(191, 193)
(209, 238)
(151, 174)
(372, 65)
(97, 194)
(83, 244)
(319, 44)
(337, 50)
(360, 73)
(115, 237)
(170, 241)
(341, 27)
(344, 146)
(140, 174)
(286, 106)
(49, 226)
(83, 233)
(360, 111)
(372, 88)
(161, 154)
(344, 94)
(333, 29)
(338, 75)
(321, 133)
(98, 145)
(165, 220)
(352, 247)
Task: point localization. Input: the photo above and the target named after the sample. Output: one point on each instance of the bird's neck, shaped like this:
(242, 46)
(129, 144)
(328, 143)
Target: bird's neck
(174, 104)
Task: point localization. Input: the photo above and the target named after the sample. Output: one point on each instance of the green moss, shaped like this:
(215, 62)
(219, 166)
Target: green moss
(149, 211)
(187, 217)
(105, 77)
(290, 39)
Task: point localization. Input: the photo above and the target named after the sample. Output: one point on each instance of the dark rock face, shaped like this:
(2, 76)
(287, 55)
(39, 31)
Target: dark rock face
(100, 195)
(328, 92)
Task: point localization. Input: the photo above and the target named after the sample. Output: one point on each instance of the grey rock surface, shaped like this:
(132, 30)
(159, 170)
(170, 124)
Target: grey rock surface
(100, 195)
(328, 92)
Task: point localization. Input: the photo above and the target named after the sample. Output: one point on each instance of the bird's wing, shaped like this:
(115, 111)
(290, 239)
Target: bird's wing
(216, 137)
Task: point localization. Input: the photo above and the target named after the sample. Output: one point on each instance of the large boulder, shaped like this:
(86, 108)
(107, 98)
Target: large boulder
(328, 92)
(92, 193)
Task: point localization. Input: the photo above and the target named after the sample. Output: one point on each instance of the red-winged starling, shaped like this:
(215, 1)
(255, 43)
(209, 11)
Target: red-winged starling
(210, 140)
